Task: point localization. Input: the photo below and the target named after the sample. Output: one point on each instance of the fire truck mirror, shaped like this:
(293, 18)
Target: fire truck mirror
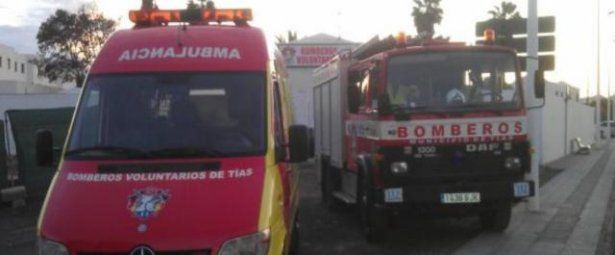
(299, 143)
(384, 104)
(539, 84)
(44, 148)
(354, 98)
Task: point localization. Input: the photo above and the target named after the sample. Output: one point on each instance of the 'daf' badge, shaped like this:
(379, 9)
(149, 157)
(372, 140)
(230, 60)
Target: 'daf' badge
(145, 203)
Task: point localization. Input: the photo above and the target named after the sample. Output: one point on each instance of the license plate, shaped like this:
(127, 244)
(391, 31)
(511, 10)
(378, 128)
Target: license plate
(460, 198)
(522, 189)
(394, 195)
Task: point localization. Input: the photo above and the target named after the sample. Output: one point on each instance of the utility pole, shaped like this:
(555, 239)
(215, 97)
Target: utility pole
(598, 109)
(535, 115)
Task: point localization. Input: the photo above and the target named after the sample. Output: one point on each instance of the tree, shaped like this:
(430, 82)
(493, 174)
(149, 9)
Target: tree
(193, 12)
(505, 11)
(68, 43)
(192, 5)
(148, 5)
(426, 14)
(291, 36)
(500, 17)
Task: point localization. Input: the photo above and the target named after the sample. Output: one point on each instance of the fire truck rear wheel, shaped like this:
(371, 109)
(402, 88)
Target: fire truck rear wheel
(373, 220)
(496, 220)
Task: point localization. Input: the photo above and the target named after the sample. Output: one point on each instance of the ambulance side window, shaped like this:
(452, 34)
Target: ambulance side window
(94, 117)
(280, 141)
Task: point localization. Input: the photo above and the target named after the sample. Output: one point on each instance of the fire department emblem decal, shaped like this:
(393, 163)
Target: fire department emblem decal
(145, 203)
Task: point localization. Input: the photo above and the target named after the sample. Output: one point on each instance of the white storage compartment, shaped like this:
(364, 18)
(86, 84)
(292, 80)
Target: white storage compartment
(329, 110)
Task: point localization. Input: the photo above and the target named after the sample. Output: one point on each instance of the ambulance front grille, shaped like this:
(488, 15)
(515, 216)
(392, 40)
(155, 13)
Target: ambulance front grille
(198, 252)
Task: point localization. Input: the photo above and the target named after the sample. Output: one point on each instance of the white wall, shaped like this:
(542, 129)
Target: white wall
(563, 121)
(301, 81)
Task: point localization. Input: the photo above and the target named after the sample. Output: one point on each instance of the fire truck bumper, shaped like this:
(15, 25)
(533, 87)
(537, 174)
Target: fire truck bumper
(467, 195)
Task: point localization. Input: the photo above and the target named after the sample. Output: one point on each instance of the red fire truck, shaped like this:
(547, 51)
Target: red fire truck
(428, 127)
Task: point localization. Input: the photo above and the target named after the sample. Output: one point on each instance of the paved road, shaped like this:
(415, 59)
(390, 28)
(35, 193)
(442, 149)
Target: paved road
(322, 232)
(338, 232)
(325, 232)
(18, 229)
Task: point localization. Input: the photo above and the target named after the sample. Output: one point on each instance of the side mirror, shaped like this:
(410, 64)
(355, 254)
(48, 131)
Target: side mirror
(539, 84)
(44, 148)
(384, 105)
(354, 97)
(299, 146)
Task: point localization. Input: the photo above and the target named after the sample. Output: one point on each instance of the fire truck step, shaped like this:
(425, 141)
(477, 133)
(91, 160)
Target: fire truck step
(348, 199)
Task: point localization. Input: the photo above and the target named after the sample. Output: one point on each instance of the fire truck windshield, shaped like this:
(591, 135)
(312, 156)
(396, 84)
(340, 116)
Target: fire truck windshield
(170, 115)
(460, 80)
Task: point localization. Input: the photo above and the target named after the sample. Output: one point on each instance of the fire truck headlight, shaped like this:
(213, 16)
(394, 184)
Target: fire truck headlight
(399, 167)
(254, 244)
(46, 247)
(512, 163)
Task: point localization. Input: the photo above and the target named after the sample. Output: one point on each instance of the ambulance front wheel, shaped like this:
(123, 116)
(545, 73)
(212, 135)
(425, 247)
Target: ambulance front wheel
(295, 239)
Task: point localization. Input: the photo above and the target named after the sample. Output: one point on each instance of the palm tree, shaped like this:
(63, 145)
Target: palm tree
(505, 11)
(426, 14)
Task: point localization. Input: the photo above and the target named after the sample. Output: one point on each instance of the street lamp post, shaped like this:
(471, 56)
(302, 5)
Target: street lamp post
(598, 109)
(610, 104)
(534, 116)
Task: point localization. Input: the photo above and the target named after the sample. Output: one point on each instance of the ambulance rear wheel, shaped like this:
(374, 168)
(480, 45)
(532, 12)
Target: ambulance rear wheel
(373, 219)
(496, 220)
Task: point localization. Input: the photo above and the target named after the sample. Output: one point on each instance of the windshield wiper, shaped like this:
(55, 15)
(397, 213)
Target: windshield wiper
(186, 152)
(108, 150)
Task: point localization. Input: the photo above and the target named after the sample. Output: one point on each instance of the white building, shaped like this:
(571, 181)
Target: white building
(19, 76)
(302, 57)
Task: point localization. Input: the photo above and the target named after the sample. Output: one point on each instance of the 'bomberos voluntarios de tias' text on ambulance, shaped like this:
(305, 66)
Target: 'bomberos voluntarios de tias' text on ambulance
(181, 144)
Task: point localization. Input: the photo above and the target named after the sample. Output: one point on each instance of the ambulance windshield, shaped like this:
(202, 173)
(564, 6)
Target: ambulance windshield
(453, 80)
(170, 115)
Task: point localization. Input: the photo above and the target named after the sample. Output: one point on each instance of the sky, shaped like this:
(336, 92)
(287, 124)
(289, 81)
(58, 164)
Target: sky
(576, 54)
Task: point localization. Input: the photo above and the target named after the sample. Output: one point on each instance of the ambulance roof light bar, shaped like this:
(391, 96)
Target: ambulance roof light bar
(149, 17)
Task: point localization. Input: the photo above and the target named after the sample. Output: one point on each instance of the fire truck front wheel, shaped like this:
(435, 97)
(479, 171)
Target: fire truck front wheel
(327, 185)
(373, 219)
(496, 220)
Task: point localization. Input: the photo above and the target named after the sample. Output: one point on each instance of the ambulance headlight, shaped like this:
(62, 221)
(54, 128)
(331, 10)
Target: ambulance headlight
(399, 167)
(46, 247)
(512, 163)
(254, 244)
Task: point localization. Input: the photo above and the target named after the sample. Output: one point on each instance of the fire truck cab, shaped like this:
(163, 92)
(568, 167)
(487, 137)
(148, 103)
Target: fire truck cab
(428, 127)
(181, 143)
